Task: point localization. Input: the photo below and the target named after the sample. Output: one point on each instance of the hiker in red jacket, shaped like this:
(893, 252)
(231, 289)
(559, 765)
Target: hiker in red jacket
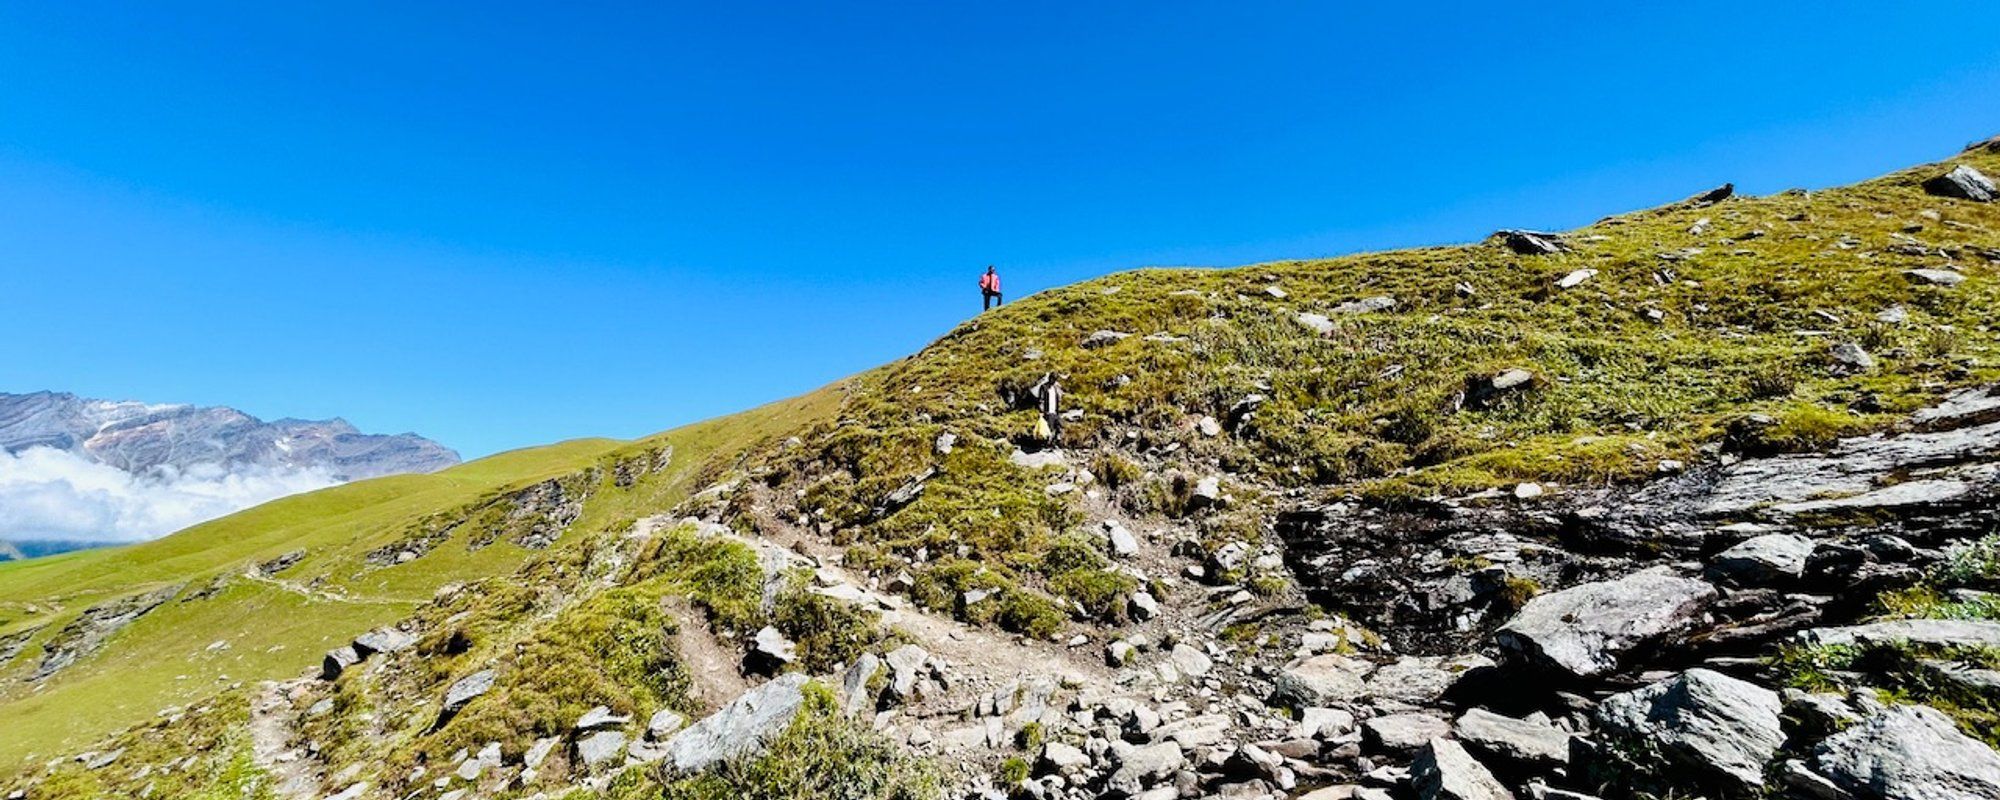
(989, 288)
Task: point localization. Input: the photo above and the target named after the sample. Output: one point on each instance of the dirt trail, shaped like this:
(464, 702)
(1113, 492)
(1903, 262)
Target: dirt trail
(714, 667)
(273, 723)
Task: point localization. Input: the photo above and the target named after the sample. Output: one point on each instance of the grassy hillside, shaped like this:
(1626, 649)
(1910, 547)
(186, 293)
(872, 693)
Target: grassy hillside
(277, 625)
(1645, 339)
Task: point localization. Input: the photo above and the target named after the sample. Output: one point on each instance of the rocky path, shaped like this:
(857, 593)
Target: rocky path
(273, 726)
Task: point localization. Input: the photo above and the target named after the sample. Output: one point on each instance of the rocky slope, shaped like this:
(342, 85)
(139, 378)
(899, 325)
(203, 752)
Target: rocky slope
(1693, 502)
(140, 438)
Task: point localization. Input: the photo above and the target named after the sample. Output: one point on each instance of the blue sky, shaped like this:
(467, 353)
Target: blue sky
(502, 225)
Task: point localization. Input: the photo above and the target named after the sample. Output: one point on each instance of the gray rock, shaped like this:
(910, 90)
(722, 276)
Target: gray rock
(1575, 278)
(743, 728)
(1323, 680)
(465, 689)
(1366, 305)
(1520, 742)
(1725, 728)
(1058, 758)
(1909, 752)
(1851, 357)
(1190, 661)
(1964, 183)
(1584, 630)
(1138, 767)
(664, 723)
(1319, 323)
(1935, 277)
(773, 648)
(1123, 543)
(600, 717)
(337, 661)
(1977, 406)
(1421, 680)
(906, 666)
(1402, 733)
(1928, 632)
(855, 697)
(90, 630)
(1143, 606)
(600, 747)
(1104, 338)
(1207, 492)
(1772, 557)
(1444, 771)
(1531, 243)
(538, 752)
(382, 640)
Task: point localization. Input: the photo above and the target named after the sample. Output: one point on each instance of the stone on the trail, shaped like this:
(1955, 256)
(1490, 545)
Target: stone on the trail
(664, 723)
(1190, 660)
(1207, 492)
(1935, 277)
(1444, 771)
(771, 649)
(1138, 767)
(465, 689)
(854, 694)
(1521, 742)
(1123, 543)
(1120, 653)
(1964, 183)
(1366, 305)
(1323, 680)
(1909, 752)
(1921, 632)
(1531, 243)
(905, 666)
(1319, 323)
(1104, 338)
(1725, 728)
(600, 717)
(1851, 357)
(600, 747)
(337, 661)
(1584, 630)
(1575, 278)
(382, 640)
(1323, 723)
(743, 728)
(1402, 733)
(1060, 758)
(1422, 680)
(1143, 606)
(1769, 558)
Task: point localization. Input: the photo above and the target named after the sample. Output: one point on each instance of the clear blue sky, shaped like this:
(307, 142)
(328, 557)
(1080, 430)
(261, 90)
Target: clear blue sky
(502, 225)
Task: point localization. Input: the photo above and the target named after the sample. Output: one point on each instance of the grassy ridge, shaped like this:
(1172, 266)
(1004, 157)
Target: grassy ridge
(279, 627)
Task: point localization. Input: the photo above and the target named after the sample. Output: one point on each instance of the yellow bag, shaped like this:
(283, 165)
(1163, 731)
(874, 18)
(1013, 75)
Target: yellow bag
(1042, 431)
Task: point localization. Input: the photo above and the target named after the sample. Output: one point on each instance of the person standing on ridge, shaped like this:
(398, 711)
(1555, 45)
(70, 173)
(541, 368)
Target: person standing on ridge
(989, 289)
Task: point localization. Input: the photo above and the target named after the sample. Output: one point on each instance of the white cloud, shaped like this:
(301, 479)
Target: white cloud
(47, 493)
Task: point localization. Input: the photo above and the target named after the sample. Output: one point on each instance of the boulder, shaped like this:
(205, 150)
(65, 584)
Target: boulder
(1123, 543)
(1323, 680)
(600, 717)
(382, 640)
(1723, 728)
(743, 728)
(1965, 183)
(1366, 305)
(1421, 680)
(1059, 758)
(1444, 771)
(1190, 660)
(1319, 323)
(1585, 630)
(1909, 752)
(1531, 243)
(1925, 632)
(854, 693)
(465, 689)
(771, 651)
(1520, 742)
(1935, 277)
(1104, 338)
(664, 723)
(337, 661)
(1575, 278)
(1138, 767)
(905, 668)
(600, 747)
(1402, 733)
(1849, 357)
(1759, 560)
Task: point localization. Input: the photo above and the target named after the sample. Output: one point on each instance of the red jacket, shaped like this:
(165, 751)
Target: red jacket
(990, 282)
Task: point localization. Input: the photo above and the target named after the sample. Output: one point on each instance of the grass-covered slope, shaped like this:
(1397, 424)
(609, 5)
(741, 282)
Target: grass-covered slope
(1647, 338)
(230, 622)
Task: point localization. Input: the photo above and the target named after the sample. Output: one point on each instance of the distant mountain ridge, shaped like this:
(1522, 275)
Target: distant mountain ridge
(140, 438)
